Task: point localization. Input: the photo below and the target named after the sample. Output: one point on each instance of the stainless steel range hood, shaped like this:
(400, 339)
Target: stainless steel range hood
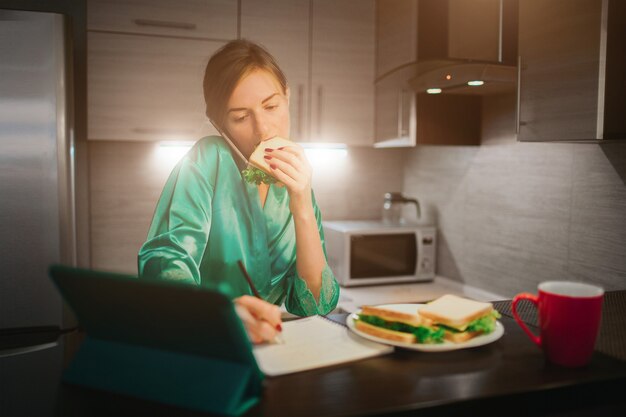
(476, 45)
(457, 76)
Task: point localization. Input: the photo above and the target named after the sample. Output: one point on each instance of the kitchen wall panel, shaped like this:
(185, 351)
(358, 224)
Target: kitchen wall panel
(598, 230)
(514, 214)
(126, 179)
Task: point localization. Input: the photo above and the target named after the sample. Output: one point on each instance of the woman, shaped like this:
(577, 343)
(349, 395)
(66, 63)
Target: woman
(208, 217)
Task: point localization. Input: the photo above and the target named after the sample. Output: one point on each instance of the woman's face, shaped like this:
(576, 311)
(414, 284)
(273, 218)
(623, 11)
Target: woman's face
(257, 110)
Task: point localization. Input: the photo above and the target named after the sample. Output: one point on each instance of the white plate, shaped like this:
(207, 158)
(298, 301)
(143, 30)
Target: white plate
(424, 347)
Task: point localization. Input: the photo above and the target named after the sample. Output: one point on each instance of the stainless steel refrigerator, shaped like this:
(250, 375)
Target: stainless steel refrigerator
(36, 189)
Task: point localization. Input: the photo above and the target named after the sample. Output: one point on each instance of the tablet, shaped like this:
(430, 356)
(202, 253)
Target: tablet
(136, 323)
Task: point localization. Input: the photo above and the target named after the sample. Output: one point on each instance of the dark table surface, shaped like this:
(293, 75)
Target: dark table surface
(507, 377)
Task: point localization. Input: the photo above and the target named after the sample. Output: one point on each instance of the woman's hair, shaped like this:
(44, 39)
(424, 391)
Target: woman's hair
(227, 67)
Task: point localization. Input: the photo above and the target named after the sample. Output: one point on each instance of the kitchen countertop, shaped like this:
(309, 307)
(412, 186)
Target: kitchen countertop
(507, 377)
(352, 298)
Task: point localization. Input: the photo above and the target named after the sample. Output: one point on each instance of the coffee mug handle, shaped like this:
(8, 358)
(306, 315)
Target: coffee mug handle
(533, 299)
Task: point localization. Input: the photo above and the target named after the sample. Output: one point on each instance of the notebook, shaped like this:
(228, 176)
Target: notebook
(314, 342)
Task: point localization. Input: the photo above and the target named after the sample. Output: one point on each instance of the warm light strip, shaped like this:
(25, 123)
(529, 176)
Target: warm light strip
(433, 90)
(171, 152)
(321, 153)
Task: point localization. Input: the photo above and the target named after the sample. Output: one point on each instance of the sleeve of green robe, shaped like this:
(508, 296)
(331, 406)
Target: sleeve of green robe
(180, 227)
(300, 300)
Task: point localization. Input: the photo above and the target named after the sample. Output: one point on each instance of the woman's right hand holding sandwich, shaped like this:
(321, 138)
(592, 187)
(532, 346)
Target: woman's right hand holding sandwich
(260, 318)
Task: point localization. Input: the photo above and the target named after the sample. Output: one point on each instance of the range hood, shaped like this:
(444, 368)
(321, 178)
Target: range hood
(459, 76)
(465, 47)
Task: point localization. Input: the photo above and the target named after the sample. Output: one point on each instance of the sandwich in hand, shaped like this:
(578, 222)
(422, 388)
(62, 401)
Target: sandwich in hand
(397, 326)
(258, 170)
(460, 318)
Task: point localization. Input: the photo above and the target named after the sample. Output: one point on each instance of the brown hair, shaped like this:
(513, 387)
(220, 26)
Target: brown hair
(227, 67)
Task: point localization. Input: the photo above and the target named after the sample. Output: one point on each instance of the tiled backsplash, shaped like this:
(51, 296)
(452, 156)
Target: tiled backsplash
(514, 214)
(355, 189)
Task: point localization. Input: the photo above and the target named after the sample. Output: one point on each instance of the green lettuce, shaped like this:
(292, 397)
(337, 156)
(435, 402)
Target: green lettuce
(254, 175)
(485, 324)
(422, 333)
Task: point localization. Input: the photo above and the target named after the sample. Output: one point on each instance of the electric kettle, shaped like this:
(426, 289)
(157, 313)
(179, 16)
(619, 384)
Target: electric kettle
(392, 207)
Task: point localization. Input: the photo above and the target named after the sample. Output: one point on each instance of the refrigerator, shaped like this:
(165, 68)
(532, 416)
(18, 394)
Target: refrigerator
(37, 215)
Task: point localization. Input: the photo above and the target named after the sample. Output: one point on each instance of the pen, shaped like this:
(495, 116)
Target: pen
(277, 338)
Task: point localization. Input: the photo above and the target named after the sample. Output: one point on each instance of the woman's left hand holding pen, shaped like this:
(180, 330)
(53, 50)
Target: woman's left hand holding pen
(260, 318)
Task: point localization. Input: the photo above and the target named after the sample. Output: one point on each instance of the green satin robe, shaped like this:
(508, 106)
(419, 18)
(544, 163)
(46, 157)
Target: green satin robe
(208, 218)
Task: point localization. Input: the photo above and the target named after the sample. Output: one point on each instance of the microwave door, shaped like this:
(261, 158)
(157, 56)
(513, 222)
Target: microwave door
(379, 258)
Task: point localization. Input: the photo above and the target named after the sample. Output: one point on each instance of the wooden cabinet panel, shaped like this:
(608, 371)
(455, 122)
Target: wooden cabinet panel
(559, 45)
(396, 34)
(395, 110)
(140, 89)
(282, 26)
(215, 19)
(342, 73)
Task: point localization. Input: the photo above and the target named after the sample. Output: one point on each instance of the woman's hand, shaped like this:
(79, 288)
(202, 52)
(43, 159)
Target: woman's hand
(290, 166)
(260, 318)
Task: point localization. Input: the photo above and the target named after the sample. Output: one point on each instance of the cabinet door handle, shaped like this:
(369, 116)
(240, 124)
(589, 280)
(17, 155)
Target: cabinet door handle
(402, 126)
(300, 111)
(165, 24)
(518, 109)
(320, 106)
(400, 112)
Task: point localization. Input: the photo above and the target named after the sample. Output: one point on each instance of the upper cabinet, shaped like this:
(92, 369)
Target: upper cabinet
(396, 34)
(146, 62)
(572, 81)
(147, 59)
(342, 71)
(142, 89)
(326, 49)
(209, 19)
(283, 27)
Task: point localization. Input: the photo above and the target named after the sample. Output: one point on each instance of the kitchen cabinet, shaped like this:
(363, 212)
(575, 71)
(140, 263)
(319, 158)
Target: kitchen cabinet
(142, 89)
(326, 49)
(210, 19)
(395, 110)
(572, 82)
(283, 27)
(396, 34)
(342, 71)
(146, 62)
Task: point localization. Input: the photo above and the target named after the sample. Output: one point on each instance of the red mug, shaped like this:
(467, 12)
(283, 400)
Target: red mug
(569, 319)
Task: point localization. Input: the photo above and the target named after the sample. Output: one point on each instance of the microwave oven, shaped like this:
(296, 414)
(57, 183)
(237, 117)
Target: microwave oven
(369, 252)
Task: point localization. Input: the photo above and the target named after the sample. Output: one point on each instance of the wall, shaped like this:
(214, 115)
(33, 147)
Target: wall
(126, 179)
(514, 214)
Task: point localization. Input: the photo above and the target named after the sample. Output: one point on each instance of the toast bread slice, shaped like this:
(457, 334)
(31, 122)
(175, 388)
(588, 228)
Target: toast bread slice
(391, 315)
(460, 337)
(384, 333)
(257, 159)
(454, 311)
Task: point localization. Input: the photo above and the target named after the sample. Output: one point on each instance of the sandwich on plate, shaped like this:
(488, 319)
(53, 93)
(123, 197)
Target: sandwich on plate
(449, 317)
(397, 326)
(258, 170)
(460, 318)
